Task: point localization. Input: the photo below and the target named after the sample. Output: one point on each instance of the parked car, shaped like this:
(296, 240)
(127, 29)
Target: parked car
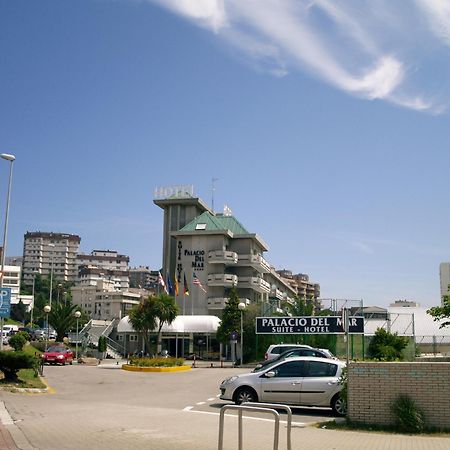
(301, 381)
(58, 354)
(276, 349)
(317, 352)
(41, 334)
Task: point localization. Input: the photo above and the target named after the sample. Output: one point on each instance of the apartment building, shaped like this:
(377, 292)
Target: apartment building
(103, 264)
(301, 284)
(221, 253)
(47, 252)
(444, 276)
(103, 301)
(143, 278)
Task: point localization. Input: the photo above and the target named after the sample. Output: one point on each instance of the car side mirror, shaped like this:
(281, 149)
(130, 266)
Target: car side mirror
(270, 374)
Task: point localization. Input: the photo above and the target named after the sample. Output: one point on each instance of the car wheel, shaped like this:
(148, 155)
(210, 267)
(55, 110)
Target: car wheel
(339, 405)
(245, 395)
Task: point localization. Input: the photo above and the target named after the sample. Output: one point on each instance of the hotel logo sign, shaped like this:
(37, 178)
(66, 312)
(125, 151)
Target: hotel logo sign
(176, 191)
(308, 325)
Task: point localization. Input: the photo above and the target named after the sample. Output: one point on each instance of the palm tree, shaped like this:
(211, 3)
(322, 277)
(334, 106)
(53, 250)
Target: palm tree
(143, 318)
(62, 319)
(167, 311)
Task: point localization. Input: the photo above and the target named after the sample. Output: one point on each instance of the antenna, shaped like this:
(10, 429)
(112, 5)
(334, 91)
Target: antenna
(213, 188)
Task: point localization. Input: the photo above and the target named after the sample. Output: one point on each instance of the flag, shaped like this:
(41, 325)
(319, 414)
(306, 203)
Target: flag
(185, 287)
(161, 282)
(169, 285)
(176, 286)
(196, 281)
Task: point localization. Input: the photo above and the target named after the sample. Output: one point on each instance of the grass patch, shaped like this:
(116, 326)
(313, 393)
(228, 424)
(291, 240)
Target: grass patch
(350, 426)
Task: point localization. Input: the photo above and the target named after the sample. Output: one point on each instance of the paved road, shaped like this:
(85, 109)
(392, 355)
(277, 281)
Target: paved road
(107, 408)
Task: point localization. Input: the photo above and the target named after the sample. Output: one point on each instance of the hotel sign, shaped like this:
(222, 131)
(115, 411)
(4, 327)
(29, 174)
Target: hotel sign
(308, 325)
(176, 191)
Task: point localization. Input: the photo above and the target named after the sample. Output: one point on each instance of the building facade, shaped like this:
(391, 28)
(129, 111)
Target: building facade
(210, 254)
(103, 301)
(144, 278)
(304, 288)
(444, 276)
(47, 253)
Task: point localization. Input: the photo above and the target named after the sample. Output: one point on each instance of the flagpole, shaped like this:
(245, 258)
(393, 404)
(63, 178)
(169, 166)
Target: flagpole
(184, 303)
(192, 305)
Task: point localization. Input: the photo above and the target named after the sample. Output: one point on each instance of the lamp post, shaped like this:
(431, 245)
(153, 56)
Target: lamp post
(77, 316)
(47, 309)
(242, 307)
(11, 159)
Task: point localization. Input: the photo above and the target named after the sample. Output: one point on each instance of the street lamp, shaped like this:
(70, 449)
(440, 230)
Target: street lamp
(47, 309)
(77, 315)
(242, 307)
(11, 159)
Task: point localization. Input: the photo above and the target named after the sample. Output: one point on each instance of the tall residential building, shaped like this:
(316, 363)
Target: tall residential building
(103, 265)
(47, 252)
(444, 275)
(143, 278)
(214, 252)
(300, 282)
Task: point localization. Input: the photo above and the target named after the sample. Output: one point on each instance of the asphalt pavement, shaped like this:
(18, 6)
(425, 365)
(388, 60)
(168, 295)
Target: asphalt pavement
(104, 407)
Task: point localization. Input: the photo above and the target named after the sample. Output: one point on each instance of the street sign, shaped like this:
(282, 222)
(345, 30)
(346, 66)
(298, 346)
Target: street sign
(308, 325)
(5, 302)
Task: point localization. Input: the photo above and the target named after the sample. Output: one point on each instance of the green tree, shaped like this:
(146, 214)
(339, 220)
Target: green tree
(386, 346)
(231, 317)
(62, 319)
(300, 307)
(18, 312)
(166, 312)
(18, 341)
(441, 312)
(102, 345)
(12, 362)
(143, 318)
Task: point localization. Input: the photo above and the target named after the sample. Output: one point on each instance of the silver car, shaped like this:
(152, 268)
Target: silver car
(302, 381)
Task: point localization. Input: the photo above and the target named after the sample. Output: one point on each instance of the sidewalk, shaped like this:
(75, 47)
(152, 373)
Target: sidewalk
(6, 441)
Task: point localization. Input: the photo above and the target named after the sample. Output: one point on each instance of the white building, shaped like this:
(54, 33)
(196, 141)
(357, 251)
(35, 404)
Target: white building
(103, 265)
(45, 253)
(444, 275)
(103, 301)
(11, 279)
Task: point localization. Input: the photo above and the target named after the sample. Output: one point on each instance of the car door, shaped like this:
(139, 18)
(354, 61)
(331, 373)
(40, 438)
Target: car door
(320, 383)
(283, 383)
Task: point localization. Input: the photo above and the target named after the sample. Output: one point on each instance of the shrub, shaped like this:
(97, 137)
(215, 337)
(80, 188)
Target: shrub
(386, 346)
(18, 341)
(156, 362)
(12, 362)
(408, 417)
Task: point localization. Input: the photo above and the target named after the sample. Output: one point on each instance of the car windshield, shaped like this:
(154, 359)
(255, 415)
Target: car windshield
(56, 349)
(265, 365)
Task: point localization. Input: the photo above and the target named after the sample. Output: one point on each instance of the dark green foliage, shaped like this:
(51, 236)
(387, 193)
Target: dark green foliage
(152, 313)
(12, 362)
(18, 340)
(18, 312)
(156, 362)
(408, 417)
(62, 319)
(343, 381)
(385, 346)
(300, 307)
(231, 318)
(102, 346)
(442, 312)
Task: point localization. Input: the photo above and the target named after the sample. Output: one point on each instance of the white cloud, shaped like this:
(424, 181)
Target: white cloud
(363, 47)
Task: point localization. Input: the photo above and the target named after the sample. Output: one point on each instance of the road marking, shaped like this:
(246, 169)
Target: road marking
(200, 403)
(211, 399)
(297, 424)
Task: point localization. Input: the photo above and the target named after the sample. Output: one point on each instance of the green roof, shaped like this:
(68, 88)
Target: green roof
(208, 222)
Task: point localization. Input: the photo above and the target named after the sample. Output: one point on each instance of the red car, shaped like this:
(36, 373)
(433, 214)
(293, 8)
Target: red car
(58, 354)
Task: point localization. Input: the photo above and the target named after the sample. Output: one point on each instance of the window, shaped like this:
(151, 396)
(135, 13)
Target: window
(200, 226)
(321, 369)
(133, 338)
(290, 369)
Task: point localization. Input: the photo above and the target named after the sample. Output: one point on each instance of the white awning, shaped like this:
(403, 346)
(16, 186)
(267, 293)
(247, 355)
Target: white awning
(182, 324)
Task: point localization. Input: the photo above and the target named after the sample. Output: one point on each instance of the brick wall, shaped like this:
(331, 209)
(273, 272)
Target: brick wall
(373, 387)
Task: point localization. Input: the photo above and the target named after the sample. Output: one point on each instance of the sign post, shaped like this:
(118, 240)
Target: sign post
(5, 309)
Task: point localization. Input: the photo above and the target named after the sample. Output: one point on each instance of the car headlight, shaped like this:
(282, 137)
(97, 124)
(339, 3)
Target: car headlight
(229, 380)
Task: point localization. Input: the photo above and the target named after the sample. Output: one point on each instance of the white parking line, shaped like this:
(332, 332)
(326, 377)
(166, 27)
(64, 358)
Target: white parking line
(211, 399)
(297, 424)
(200, 403)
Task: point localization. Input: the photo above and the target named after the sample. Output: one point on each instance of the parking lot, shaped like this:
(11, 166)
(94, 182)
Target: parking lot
(104, 407)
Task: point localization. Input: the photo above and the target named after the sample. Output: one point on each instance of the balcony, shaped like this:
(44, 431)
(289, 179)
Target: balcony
(255, 261)
(222, 257)
(256, 283)
(222, 279)
(216, 302)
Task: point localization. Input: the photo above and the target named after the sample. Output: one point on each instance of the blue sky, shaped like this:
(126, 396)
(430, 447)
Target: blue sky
(325, 123)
